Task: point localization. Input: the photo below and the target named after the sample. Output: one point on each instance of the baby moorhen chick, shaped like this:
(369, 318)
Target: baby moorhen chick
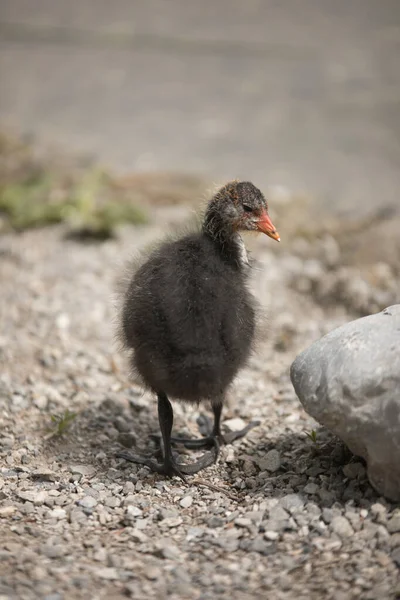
(189, 318)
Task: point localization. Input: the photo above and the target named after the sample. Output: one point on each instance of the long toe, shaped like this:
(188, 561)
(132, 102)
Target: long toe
(134, 458)
(208, 459)
(170, 469)
(230, 437)
(194, 443)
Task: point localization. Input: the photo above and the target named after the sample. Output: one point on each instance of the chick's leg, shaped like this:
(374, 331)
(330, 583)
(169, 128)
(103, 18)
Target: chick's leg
(213, 432)
(169, 466)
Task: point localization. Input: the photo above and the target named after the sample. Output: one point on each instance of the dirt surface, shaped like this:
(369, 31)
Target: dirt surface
(286, 512)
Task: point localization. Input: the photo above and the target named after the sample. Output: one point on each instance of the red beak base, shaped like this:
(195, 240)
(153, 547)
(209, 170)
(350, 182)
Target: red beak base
(265, 225)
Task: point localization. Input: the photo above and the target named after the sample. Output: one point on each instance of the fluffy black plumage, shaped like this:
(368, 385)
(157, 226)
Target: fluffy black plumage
(189, 318)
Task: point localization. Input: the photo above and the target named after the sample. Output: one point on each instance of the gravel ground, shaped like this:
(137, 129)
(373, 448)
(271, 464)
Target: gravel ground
(280, 515)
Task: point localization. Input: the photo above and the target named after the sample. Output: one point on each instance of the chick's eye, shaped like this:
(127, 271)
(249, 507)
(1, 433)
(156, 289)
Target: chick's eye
(247, 208)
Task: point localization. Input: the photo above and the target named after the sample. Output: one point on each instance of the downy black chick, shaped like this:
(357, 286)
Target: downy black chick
(189, 318)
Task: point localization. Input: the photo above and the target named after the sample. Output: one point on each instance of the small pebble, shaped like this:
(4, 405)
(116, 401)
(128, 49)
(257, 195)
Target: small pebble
(270, 462)
(341, 527)
(58, 513)
(127, 439)
(88, 502)
(292, 502)
(133, 512)
(354, 470)
(84, 470)
(108, 573)
(186, 502)
(7, 511)
(311, 488)
(393, 525)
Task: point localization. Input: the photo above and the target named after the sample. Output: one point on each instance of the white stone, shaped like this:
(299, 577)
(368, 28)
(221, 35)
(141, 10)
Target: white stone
(133, 511)
(235, 424)
(186, 501)
(58, 513)
(349, 381)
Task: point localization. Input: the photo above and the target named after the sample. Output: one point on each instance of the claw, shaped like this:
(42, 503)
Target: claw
(230, 437)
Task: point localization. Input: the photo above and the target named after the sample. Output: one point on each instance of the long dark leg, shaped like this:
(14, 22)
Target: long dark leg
(217, 410)
(166, 421)
(169, 466)
(214, 432)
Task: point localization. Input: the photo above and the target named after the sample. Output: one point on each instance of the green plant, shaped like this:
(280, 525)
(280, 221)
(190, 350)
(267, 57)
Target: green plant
(38, 192)
(61, 423)
(312, 435)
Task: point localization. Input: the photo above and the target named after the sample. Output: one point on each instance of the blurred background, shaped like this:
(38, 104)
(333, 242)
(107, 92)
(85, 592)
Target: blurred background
(299, 96)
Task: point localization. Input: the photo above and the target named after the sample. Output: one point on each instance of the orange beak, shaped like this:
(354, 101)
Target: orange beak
(265, 225)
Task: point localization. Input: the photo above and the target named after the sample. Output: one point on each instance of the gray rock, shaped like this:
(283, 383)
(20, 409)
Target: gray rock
(100, 555)
(167, 513)
(243, 522)
(277, 513)
(133, 512)
(378, 511)
(37, 498)
(270, 462)
(327, 496)
(172, 522)
(41, 402)
(130, 499)
(354, 470)
(138, 536)
(311, 488)
(88, 502)
(394, 541)
(194, 533)
(262, 546)
(121, 424)
(153, 573)
(127, 439)
(327, 515)
(165, 548)
(228, 543)
(396, 556)
(55, 551)
(255, 516)
(214, 522)
(141, 524)
(275, 525)
(111, 501)
(393, 525)
(44, 475)
(292, 502)
(83, 470)
(349, 381)
(271, 535)
(7, 511)
(77, 516)
(58, 513)
(342, 527)
(109, 573)
(186, 502)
